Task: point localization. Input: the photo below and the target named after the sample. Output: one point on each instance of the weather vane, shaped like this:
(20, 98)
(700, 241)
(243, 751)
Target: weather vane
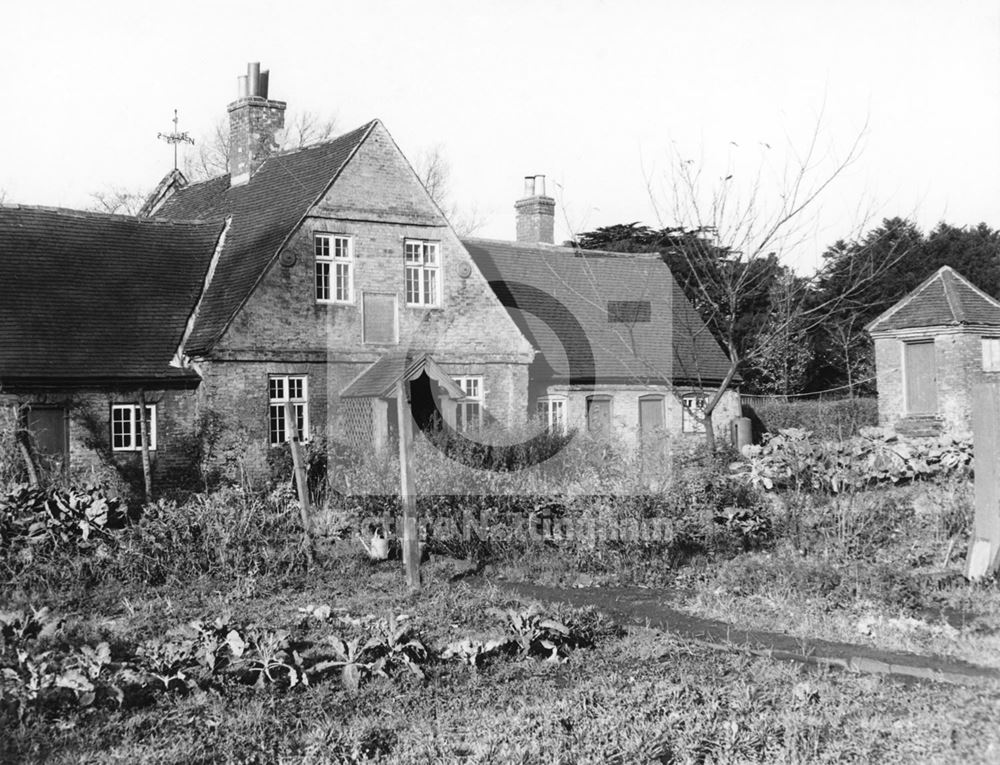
(175, 138)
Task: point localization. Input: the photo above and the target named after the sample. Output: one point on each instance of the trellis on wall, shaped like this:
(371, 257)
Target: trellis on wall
(358, 421)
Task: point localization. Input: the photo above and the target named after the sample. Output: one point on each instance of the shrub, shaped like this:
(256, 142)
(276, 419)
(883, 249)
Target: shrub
(229, 531)
(796, 459)
(829, 420)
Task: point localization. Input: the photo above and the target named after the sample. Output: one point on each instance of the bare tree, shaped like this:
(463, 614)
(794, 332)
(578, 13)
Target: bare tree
(210, 156)
(118, 200)
(732, 229)
(434, 171)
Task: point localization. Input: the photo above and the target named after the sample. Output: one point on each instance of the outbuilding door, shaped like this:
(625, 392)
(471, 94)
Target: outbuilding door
(921, 377)
(49, 436)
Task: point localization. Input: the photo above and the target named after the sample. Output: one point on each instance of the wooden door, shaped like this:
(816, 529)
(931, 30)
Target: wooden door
(921, 377)
(650, 415)
(49, 436)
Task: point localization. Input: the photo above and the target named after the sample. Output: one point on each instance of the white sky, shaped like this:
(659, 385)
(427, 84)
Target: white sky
(593, 94)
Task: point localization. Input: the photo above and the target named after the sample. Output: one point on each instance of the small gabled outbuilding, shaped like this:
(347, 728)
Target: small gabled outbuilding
(931, 348)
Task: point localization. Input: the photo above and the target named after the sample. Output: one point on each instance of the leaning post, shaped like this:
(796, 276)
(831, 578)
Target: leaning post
(301, 484)
(984, 549)
(407, 491)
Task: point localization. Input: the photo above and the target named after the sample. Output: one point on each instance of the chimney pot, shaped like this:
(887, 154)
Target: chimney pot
(242, 87)
(529, 185)
(539, 185)
(253, 75)
(264, 77)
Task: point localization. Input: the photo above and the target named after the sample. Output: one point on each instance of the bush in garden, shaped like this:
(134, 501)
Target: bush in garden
(829, 420)
(228, 532)
(794, 459)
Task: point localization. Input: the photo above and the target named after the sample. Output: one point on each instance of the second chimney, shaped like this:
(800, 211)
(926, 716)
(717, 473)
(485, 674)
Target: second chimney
(536, 213)
(254, 120)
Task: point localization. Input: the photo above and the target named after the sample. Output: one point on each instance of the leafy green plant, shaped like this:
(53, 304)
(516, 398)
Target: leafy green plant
(392, 647)
(795, 460)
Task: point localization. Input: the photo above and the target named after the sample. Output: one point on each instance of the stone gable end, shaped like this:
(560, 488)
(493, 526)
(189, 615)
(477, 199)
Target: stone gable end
(377, 201)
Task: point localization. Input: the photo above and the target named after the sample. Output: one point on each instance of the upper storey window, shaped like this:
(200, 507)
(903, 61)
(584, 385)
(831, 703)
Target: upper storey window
(423, 266)
(334, 268)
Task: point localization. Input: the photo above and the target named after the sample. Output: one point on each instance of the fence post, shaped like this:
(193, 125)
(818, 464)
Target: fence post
(985, 541)
(407, 490)
(301, 482)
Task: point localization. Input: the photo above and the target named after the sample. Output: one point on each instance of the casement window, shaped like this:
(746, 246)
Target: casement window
(334, 268)
(423, 267)
(692, 413)
(599, 415)
(469, 413)
(282, 389)
(126, 427)
(991, 354)
(552, 412)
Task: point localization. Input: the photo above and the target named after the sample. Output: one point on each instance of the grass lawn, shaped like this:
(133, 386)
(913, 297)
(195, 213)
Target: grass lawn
(635, 696)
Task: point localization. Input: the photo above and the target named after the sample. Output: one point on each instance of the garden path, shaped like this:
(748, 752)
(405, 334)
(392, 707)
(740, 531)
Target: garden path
(650, 608)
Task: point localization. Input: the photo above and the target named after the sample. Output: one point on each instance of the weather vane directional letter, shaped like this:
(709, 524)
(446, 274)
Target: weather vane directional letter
(175, 138)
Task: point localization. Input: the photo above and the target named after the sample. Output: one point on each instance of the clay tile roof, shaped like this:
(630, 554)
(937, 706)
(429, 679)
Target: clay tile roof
(265, 211)
(90, 296)
(634, 316)
(946, 298)
(379, 380)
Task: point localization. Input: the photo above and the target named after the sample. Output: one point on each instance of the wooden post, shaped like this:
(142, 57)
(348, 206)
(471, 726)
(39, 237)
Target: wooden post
(147, 478)
(407, 492)
(29, 463)
(301, 483)
(984, 545)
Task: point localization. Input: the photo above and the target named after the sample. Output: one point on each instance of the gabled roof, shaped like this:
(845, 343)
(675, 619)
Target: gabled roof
(639, 325)
(946, 298)
(265, 212)
(90, 296)
(379, 380)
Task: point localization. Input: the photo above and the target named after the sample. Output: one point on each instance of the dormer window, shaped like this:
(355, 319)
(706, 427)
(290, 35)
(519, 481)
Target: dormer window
(422, 264)
(334, 268)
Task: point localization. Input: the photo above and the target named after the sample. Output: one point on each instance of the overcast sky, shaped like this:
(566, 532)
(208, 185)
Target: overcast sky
(597, 95)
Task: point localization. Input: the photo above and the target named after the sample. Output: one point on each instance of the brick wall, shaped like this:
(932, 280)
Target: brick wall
(282, 329)
(625, 408)
(90, 453)
(253, 123)
(958, 364)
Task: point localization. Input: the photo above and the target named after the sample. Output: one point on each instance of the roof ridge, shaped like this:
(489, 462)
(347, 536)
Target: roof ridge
(318, 144)
(561, 248)
(70, 212)
(947, 274)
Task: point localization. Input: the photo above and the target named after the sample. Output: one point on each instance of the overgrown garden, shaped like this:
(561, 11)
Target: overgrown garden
(196, 629)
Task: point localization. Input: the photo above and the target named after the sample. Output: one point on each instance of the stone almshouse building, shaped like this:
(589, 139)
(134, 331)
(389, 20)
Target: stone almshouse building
(319, 277)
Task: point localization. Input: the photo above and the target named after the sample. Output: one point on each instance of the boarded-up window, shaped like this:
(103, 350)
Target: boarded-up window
(921, 377)
(629, 311)
(379, 320)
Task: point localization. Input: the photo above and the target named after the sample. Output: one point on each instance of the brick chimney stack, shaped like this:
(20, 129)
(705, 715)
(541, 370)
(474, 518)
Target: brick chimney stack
(253, 122)
(536, 213)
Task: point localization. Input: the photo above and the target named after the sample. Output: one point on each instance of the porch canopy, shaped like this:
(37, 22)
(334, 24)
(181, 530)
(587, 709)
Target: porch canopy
(365, 416)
